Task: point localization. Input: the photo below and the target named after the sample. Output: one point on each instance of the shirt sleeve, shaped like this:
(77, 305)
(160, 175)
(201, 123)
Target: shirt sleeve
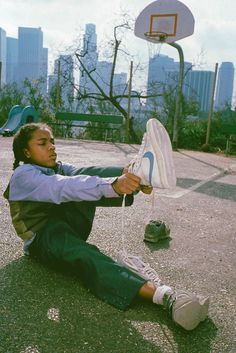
(101, 171)
(32, 184)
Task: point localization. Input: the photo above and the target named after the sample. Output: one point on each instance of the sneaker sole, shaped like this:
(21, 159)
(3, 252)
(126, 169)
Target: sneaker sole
(162, 148)
(155, 238)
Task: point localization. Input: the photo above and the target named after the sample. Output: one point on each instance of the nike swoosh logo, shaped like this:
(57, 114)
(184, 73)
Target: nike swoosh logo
(150, 156)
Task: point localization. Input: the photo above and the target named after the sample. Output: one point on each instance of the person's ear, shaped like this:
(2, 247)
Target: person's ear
(27, 153)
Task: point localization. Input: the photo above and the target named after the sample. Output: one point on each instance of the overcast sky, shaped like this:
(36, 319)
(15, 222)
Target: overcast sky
(62, 21)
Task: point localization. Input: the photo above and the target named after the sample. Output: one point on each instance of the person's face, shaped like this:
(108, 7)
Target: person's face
(41, 148)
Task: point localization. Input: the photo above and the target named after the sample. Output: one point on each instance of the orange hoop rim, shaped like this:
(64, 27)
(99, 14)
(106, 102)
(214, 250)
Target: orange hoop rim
(156, 36)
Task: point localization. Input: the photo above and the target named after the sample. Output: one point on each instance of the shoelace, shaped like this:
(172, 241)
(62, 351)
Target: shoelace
(144, 268)
(152, 208)
(151, 274)
(136, 161)
(151, 214)
(123, 223)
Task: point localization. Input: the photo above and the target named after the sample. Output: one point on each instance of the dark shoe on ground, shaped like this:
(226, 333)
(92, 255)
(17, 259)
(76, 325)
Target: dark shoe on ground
(156, 231)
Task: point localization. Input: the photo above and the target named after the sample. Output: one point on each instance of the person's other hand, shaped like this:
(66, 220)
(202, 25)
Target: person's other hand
(126, 184)
(146, 189)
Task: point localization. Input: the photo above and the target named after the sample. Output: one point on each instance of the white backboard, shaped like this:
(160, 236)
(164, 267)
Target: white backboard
(170, 17)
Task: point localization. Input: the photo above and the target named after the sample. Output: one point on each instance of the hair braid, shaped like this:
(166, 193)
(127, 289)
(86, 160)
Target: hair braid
(16, 164)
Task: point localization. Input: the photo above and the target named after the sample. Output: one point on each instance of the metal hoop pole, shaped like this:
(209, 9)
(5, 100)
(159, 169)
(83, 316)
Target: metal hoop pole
(178, 102)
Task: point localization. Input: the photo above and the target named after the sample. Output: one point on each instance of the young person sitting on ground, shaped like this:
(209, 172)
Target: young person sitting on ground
(53, 205)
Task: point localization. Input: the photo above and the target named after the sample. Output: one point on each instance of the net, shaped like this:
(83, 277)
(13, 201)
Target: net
(154, 42)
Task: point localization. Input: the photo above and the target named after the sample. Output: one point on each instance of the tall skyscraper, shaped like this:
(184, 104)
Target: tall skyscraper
(120, 83)
(198, 86)
(52, 82)
(64, 76)
(225, 82)
(103, 74)
(31, 55)
(12, 60)
(90, 38)
(120, 87)
(89, 58)
(3, 56)
(160, 66)
(44, 69)
(161, 69)
(163, 73)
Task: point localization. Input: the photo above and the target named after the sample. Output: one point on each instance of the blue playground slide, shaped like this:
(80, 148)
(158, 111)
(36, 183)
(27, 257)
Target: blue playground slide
(17, 117)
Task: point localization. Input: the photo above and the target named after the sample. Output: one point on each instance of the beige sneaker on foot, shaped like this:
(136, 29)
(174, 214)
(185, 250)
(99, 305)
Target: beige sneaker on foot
(187, 309)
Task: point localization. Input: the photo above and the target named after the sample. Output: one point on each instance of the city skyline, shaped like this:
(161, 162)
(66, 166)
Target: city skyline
(62, 22)
(196, 81)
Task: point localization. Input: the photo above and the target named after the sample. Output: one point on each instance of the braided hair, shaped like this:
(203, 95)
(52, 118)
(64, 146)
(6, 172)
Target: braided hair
(21, 139)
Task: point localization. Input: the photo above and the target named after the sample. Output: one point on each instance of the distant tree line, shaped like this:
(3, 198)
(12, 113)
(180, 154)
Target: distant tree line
(191, 133)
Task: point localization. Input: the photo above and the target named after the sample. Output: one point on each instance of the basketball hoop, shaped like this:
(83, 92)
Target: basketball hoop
(154, 41)
(156, 37)
(164, 21)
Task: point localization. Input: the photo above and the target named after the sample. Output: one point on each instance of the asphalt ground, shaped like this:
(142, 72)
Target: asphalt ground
(46, 312)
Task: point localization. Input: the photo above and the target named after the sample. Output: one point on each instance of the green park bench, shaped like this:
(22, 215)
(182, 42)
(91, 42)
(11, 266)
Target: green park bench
(107, 123)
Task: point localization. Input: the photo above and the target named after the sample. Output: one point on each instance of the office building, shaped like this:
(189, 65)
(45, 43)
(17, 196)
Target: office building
(198, 87)
(44, 69)
(12, 60)
(163, 74)
(102, 75)
(120, 88)
(224, 89)
(31, 55)
(89, 58)
(120, 83)
(162, 71)
(64, 78)
(3, 56)
(52, 83)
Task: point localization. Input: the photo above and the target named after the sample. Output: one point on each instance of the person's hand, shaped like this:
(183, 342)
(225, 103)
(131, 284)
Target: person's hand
(126, 184)
(146, 189)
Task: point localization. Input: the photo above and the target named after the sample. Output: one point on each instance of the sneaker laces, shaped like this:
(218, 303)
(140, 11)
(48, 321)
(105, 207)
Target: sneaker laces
(152, 208)
(133, 261)
(123, 223)
(144, 269)
(136, 161)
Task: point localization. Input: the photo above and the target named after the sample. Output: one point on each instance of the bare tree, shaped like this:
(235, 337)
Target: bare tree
(99, 94)
(108, 97)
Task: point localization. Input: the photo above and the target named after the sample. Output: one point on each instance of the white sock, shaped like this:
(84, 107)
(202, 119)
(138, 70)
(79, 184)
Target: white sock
(159, 294)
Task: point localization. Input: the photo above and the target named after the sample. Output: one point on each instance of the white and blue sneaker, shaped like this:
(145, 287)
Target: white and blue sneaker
(154, 161)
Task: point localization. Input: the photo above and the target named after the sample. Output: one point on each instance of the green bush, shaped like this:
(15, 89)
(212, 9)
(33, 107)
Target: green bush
(193, 134)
